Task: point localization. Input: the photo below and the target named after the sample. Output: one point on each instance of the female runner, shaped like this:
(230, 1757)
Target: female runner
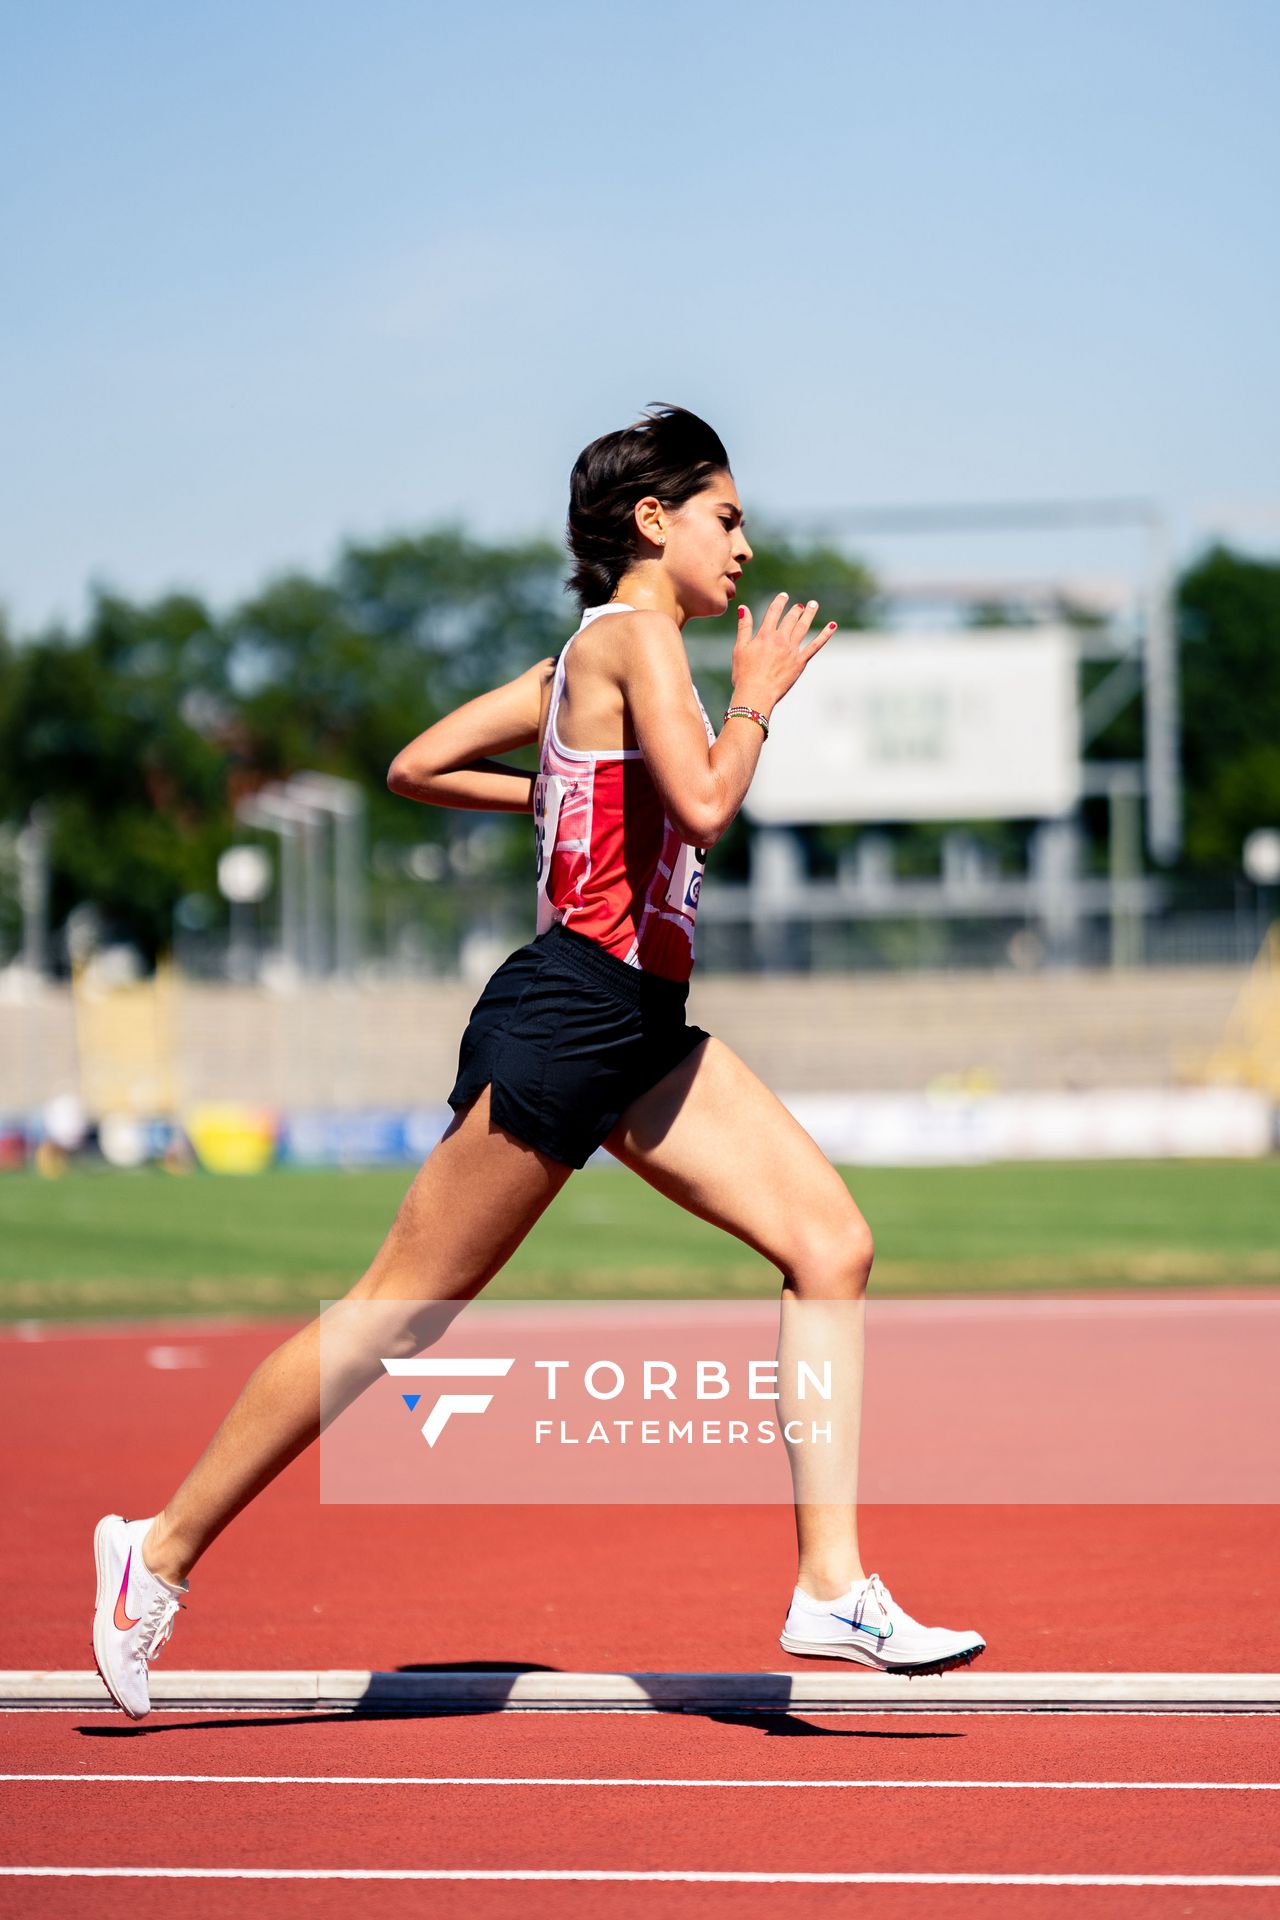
(580, 1037)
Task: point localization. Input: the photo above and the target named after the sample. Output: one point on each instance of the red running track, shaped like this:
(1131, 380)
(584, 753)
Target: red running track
(88, 1424)
(770, 1828)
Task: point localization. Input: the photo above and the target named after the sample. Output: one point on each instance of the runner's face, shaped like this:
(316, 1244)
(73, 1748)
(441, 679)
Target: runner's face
(706, 548)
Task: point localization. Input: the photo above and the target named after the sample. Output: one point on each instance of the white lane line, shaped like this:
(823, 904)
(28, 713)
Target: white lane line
(606, 1780)
(614, 1875)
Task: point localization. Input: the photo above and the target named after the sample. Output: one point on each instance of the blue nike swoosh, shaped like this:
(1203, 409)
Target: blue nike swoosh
(859, 1628)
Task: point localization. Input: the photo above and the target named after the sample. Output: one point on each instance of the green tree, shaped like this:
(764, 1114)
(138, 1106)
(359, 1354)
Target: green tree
(97, 728)
(1229, 623)
(338, 674)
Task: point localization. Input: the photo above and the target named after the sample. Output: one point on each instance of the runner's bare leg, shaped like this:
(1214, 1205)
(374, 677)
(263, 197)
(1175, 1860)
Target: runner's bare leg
(712, 1137)
(469, 1207)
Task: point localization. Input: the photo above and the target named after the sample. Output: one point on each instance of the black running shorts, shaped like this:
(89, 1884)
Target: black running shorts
(567, 1036)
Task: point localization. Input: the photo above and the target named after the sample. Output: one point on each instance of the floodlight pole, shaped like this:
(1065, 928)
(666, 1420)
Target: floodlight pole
(296, 810)
(1123, 781)
(288, 828)
(275, 810)
(33, 890)
(1160, 701)
(315, 945)
(344, 802)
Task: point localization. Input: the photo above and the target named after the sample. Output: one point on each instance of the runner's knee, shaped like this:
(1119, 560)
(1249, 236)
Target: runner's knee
(832, 1260)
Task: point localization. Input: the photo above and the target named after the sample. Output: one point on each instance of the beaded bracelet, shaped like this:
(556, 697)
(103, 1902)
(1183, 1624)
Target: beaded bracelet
(748, 713)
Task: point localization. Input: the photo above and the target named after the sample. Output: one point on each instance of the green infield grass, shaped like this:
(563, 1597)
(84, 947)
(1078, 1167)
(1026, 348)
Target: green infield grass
(102, 1243)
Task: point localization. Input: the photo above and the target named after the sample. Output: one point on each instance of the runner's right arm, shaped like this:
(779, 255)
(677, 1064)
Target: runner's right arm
(701, 786)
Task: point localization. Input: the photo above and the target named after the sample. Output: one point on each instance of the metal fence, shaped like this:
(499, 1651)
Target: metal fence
(467, 945)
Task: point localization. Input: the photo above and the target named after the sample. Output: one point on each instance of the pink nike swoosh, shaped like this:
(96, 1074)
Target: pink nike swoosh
(121, 1616)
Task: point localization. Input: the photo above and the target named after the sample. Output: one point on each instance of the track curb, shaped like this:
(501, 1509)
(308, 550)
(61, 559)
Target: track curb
(521, 1691)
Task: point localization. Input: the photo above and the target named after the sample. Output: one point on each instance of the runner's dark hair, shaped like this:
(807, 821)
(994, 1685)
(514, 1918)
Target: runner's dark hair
(669, 453)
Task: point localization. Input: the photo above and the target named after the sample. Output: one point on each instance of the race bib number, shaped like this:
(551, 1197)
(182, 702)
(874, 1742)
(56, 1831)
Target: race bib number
(685, 884)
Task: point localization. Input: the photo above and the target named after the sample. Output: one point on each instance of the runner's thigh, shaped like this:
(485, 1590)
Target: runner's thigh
(712, 1137)
(472, 1202)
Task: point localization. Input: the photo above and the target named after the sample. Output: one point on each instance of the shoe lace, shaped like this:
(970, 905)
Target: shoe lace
(160, 1627)
(875, 1590)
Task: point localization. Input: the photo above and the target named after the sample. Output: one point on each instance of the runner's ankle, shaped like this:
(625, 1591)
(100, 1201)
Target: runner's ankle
(158, 1558)
(825, 1584)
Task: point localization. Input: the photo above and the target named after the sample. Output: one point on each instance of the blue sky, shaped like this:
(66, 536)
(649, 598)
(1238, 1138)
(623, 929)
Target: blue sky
(274, 274)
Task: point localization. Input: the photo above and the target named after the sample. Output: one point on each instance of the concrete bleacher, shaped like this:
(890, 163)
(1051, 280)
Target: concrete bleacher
(396, 1043)
(1021, 1033)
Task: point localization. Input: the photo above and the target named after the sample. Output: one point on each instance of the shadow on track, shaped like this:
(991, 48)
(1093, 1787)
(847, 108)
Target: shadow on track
(382, 1700)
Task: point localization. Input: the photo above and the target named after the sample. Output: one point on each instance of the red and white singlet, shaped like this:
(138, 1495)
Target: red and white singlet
(611, 865)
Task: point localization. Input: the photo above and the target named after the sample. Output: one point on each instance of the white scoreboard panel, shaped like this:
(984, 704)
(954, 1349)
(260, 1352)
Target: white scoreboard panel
(926, 726)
